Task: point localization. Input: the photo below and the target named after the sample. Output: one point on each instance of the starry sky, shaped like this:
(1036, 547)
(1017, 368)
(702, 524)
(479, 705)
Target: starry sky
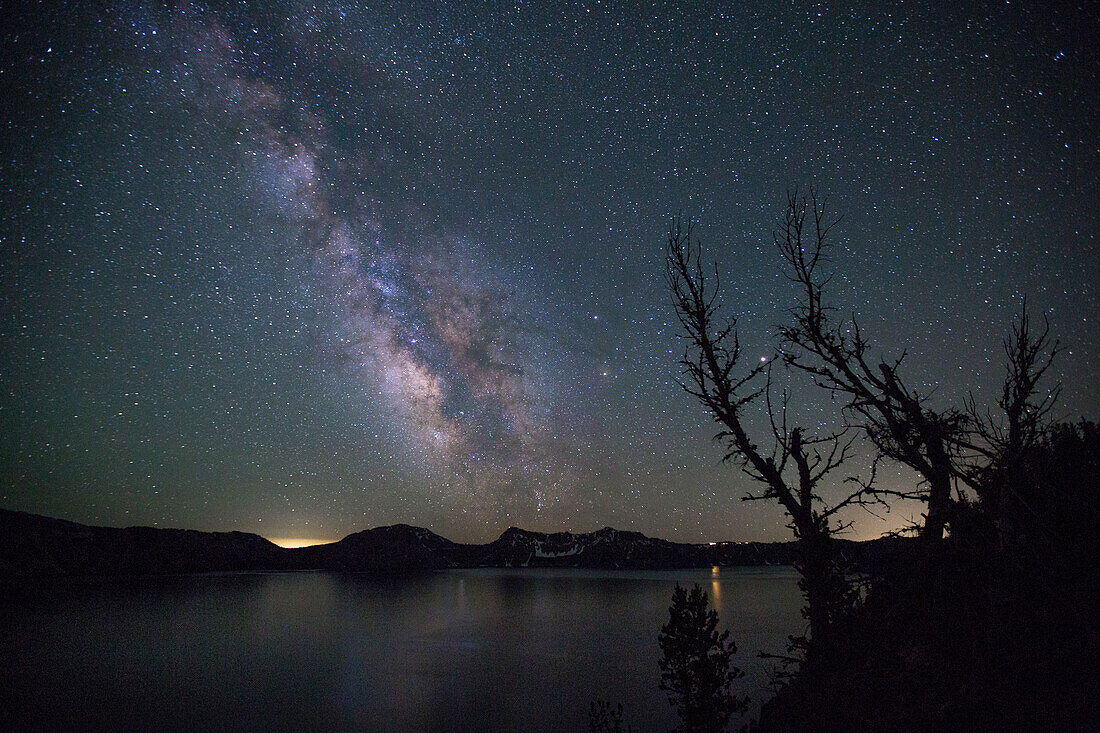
(304, 268)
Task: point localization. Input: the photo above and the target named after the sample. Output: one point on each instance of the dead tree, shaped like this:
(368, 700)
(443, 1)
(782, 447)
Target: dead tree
(792, 469)
(897, 418)
(997, 446)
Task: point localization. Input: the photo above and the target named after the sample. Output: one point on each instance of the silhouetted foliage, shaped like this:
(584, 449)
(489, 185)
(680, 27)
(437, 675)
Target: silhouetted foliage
(696, 664)
(602, 718)
(1005, 444)
(993, 623)
(1006, 638)
(835, 352)
(792, 469)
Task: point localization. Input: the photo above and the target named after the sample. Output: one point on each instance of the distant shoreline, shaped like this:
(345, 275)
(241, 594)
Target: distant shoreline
(36, 546)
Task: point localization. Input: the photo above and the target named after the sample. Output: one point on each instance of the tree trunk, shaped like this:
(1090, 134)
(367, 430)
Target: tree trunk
(939, 491)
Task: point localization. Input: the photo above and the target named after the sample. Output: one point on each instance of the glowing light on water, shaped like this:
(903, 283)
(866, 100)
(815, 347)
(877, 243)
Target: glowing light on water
(716, 588)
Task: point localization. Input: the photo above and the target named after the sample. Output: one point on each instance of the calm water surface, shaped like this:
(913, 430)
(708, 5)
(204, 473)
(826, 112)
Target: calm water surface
(466, 650)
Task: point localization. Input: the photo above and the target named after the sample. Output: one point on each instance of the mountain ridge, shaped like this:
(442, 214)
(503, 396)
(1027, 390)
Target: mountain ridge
(33, 545)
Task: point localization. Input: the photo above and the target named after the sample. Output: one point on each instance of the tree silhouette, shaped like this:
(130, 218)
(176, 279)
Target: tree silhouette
(836, 354)
(792, 469)
(994, 478)
(1002, 447)
(696, 664)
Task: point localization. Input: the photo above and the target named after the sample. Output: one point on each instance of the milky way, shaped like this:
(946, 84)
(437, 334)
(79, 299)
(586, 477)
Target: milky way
(300, 268)
(421, 321)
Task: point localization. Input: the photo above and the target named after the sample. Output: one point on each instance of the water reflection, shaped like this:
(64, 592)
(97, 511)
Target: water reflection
(468, 650)
(716, 589)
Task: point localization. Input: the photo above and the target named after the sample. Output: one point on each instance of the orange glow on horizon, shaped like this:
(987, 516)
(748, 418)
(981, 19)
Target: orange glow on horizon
(291, 542)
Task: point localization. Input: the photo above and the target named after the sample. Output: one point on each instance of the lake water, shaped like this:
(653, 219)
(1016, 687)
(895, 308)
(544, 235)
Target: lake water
(464, 650)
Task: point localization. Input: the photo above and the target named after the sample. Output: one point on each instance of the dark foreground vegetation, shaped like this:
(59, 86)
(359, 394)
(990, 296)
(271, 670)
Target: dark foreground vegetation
(994, 629)
(991, 623)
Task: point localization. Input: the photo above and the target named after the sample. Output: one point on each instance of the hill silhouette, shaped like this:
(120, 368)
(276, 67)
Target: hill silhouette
(36, 546)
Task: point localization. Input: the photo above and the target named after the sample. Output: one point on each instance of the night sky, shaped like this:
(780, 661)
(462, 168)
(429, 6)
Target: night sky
(307, 268)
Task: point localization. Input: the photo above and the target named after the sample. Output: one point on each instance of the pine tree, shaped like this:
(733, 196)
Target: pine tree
(696, 669)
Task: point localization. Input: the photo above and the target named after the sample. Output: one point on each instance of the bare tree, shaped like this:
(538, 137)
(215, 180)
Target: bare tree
(792, 469)
(896, 417)
(995, 453)
(998, 445)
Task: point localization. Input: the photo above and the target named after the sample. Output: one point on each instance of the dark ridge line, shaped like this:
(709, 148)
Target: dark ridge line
(36, 546)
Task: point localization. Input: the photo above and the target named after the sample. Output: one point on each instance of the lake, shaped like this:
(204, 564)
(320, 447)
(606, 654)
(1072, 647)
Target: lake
(462, 650)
